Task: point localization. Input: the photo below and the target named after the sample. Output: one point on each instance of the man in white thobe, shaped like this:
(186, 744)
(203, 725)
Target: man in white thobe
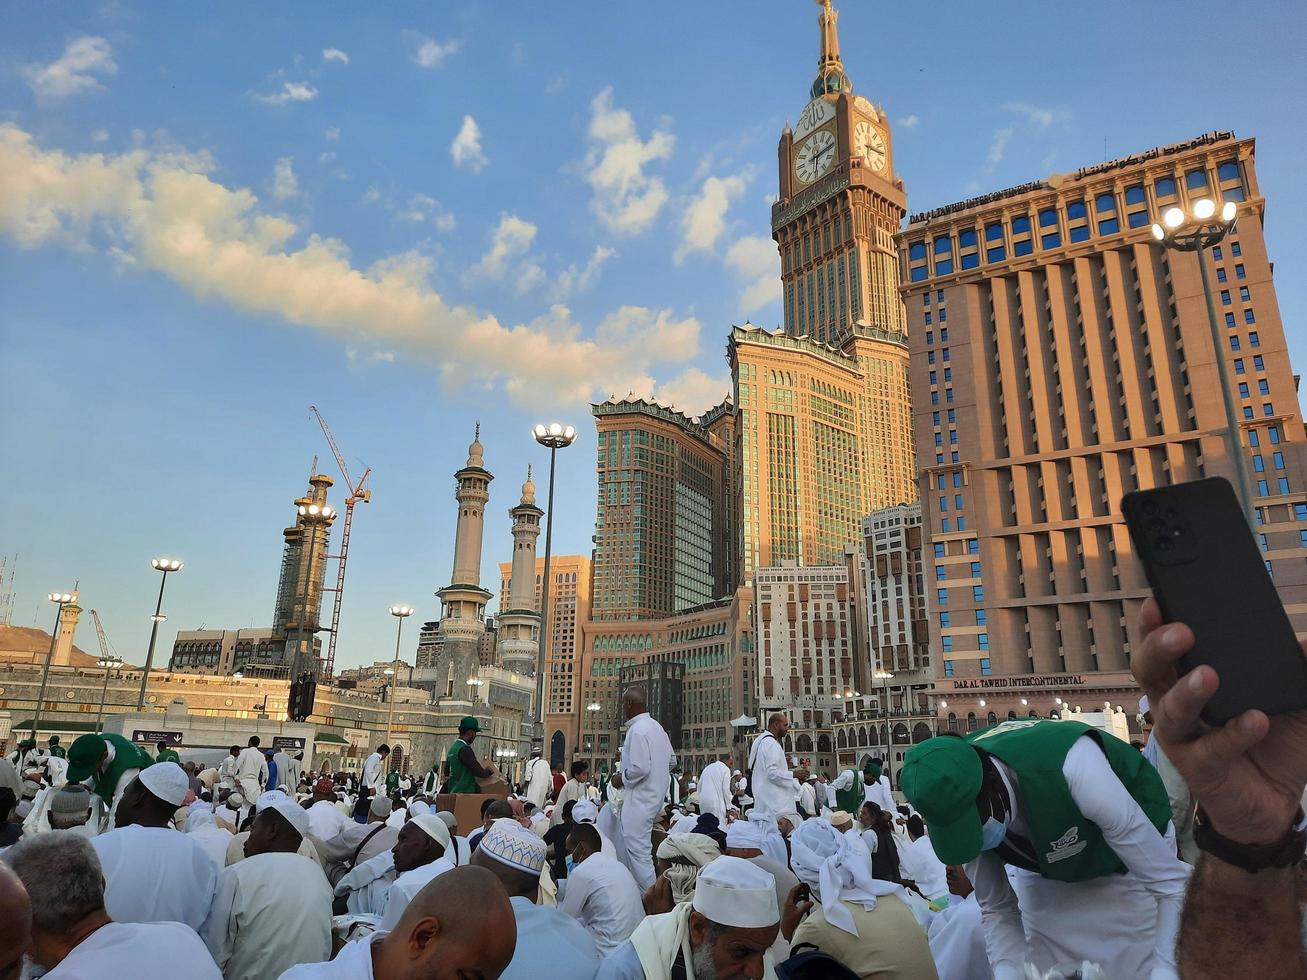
(252, 769)
(574, 789)
(285, 778)
(152, 872)
(715, 789)
(273, 909)
(646, 771)
(775, 789)
(424, 851)
(374, 771)
(601, 893)
(539, 781)
(325, 818)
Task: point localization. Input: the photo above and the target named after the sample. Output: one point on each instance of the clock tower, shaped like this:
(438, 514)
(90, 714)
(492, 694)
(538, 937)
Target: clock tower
(839, 208)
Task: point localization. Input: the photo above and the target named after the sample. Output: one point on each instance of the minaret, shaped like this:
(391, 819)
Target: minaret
(63, 646)
(464, 601)
(296, 617)
(519, 619)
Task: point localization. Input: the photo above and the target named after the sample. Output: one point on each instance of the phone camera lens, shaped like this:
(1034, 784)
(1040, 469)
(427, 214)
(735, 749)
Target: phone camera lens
(1162, 544)
(1156, 525)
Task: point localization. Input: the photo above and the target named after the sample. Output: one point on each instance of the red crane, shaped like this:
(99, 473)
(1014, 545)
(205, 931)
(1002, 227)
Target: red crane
(356, 493)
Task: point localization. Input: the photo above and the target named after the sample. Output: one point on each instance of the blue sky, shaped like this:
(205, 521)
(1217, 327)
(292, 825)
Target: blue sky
(420, 216)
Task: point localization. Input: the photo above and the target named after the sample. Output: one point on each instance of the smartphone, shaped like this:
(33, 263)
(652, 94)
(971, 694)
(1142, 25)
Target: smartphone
(1207, 572)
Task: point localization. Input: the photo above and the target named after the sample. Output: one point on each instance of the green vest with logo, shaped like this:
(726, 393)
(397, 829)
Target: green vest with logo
(461, 779)
(126, 755)
(168, 755)
(850, 800)
(1068, 846)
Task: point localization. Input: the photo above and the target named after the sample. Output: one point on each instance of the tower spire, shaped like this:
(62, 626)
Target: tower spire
(831, 79)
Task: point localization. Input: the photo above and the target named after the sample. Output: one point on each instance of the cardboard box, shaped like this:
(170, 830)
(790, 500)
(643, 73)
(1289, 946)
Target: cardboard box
(466, 808)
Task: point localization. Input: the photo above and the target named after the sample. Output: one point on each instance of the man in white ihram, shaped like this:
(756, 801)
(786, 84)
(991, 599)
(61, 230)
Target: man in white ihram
(539, 780)
(374, 771)
(715, 789)
(646, 771)
(252, 769)
(774, 787)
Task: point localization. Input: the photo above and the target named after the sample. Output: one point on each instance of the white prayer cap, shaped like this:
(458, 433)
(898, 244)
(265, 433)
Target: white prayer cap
(166, 781)
(448, 818)
(684, 825)
(791, 815)
(736, 893)
(737, 772)
(267, 799)
(417, 808)
(508, 842)
(745, 834)
(433, 827)
(292, 812)
(584, 811)
(235, 801)
(380, 805)
(839, 818)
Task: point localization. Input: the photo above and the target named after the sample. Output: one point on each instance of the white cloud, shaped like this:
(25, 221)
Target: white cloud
(162, 212)
(74, 71)
(332, 134)
(694, 391)
(572, 280)
(556, 85)
(1038, 115)
(910, 122)
(997, 147)
(366, 358)
(430, 53)
(466, 148)
(756, 263)
(284, 182)
(372, 195)
(626, 199)
(704, 221)
(507, 260)
(422, 208)
(335, 54)
(289, 92)
(100, 136)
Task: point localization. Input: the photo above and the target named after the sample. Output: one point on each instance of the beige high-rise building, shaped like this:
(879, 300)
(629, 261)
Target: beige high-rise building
(569, 608)
(1060, 359)
(823, 418)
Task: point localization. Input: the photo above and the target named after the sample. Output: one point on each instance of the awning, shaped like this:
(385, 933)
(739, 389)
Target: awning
(329, 739)
(49, 725)
(744, 721)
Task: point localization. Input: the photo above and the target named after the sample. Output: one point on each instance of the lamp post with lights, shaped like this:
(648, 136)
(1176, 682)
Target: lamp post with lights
(60, 599)
(400, 613)
(554, 436)
(885, 676)
(163, 566)
(592, 713)
(108, 663)
(1196, 230)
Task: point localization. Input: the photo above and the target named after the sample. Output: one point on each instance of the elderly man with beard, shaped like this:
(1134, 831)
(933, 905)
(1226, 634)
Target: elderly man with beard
(725, 933)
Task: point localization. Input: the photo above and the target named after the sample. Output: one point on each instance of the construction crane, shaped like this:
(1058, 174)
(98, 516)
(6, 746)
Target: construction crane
(7, 572)
(107, 660)
(356, 493)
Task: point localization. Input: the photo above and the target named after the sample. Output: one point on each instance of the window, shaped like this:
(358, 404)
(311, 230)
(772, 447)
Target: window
(952, 415)
(1235, 249)
(939, 296)
(943, 245)
(1240, 272)
(957, 479)
(994, 232)
(1229, 320)
(985, 669)
(971, 260)
(1195, 179)
(957, 502)
(1048, 218)
(1243, 294)
(944, 353)
(1225, 297)
(1300, 512)
(1262, 489)
(1023, 247)
(918, 274)
(953, 457)
(1220, 275)
(1302, 539)
(1247, 413)
(945, 619)
(930, 357)
(1137, 219)
(1258, 363)
(973, 548)
(948, 395)
(978, 593)
(1050, 241)
(1216, 253)
(1021, 225)
(1261, 540)
(1252, 438)
(1105, 204)
(1283, 484)
(1278, 460)
(983, 640)
(943, 267)
(1273, 433)
(1075, 209)
(1109, 226)
(1259, 464)
(1135, 194)
(934, 418)
(946, 646)
(943, 505)
(1263, 386)
(941, 596)
(1243, 389)
(943, 333)
(934, 397)
(939, 438)
(933, 378)
(953, 437)
(1238, 366)
(939, 550)
(995, 254)
(948, 666)
(941, 481)
(948, 374)
(967, 238)
(975, 569)
(982, 618)
(1080, 234)
(1234, 342)
(1165, 187)
(941, 573)
(1228, 171)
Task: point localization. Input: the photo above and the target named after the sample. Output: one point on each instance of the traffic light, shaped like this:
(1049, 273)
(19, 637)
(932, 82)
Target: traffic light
(302, 693)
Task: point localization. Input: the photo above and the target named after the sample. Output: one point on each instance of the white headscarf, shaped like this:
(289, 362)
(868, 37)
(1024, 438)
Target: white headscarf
(827, 862)
(773, 842)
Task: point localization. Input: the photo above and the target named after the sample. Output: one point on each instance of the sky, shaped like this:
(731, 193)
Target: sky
(422, 216)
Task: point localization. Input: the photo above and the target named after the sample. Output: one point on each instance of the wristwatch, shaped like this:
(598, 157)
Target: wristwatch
(1283, 853)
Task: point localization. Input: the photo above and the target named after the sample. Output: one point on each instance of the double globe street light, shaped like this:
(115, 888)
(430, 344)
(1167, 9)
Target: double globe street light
(165, 566)
(1196, 230)
(401, 613)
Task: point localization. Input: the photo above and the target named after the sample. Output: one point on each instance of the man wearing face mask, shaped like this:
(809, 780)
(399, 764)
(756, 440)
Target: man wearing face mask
(1084, 816)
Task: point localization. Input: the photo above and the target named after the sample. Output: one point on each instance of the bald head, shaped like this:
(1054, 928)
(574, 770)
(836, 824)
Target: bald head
(460, 924)
(778, 724)
(634, 702)
(15, 924)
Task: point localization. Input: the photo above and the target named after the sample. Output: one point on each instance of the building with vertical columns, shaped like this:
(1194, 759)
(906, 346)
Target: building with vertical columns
(463, 601)
(1062, 358)
(823, 420)
(517, 642)
(569, 609)
(663, 480)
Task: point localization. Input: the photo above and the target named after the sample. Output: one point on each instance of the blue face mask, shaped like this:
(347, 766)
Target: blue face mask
(992, 833)
(570, 864)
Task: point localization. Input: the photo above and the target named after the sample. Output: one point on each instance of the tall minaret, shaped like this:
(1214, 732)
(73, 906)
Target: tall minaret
(63, 645)
(518, 617)
(463, 620)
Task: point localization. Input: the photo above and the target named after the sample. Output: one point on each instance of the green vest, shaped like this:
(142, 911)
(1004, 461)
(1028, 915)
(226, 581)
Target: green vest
(168, 755)
(392, 781)
(127, 755)
(58, 751)
(850, 800)
(1067, 845)
(461, 779)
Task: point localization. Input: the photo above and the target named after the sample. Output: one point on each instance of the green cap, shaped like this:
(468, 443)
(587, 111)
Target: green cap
(469, 723)
(84, 757)
(941, 777)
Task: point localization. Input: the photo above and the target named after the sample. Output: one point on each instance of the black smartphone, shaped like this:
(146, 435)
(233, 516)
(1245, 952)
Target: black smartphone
(1207, 572)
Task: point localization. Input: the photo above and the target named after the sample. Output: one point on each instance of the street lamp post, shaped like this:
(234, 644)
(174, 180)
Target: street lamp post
(554, 436)
(592, 709)
(108, 663)
(885, 677)
(1196, 231)
(164, 566)
(400, 613)
(60, 599)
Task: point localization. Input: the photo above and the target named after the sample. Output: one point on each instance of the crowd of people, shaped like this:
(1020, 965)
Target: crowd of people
(1032, 848)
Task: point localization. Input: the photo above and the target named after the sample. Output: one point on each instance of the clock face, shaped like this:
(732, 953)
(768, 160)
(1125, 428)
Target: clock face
(815, 113)
(870, 144)
(815, 156)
